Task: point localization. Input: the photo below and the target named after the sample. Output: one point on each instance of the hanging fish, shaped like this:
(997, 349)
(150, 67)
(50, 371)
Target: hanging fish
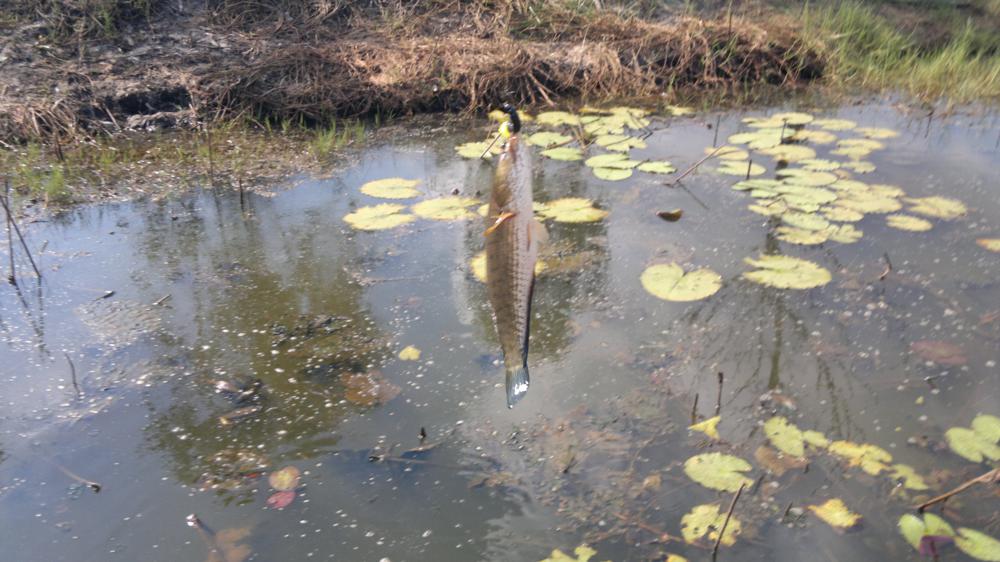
(513, 236)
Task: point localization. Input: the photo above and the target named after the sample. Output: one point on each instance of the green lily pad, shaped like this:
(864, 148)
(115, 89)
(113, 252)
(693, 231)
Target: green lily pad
(565, 153)
(834, 124)
(785, 436)
(728, 153)
(789, 152)
(612, 174)
(762, 138)
(913, 528)
(474, 150)
(774, 208)
(969, 444)
(868, 203)
(546, 139)
(978, 545)
(801, 236)
(844, 234)
(572, 210)
(445, 208)
(987, 426)
(793, 118)
(738, 168)
(813, 136)
(582, 553)
(707, 519)
(661, 167)
(820, 165)
(877, 133)
(816, 195)
(718, 471)
(905, 473)
(938, 207)
(556, 118)
(908, 223)
(391, 188)
(378, 217)
(785, 272)
(815, 439)
(805, 221)
(837, 213)
(610, 161)
(670, 283)
(812, 178)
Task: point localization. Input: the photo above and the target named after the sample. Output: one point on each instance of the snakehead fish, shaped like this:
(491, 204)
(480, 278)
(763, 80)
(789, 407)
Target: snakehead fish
(513, 236)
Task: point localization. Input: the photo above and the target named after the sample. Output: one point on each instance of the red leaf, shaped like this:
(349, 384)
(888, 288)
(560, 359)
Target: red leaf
(929, 544)
(940, 352)
(280, 500)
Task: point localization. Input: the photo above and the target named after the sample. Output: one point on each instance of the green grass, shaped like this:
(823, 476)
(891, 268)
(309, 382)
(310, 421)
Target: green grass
(865, 49)
(324, 141)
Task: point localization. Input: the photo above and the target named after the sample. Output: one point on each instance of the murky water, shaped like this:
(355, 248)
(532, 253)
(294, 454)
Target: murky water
(288, 293)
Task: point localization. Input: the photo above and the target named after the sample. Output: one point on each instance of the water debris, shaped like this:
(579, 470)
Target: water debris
(409, 353)
(368, 389)
(937, 207)
(582, 553)
(940, 352)
(707, 520)
(835, 514)
(909, 223)
(671, 216)
(281, 500)
(991, 244)
(378, 217)
(670, 282)
(709, 427)
(223, 546)
(778, 463)
(446, 208)
(233, 416)
(391, 188)
(718, 471)
(285, 479)
(786, 272)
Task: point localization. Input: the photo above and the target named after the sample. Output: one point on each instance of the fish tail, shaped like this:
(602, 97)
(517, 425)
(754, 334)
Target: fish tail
(517, 384)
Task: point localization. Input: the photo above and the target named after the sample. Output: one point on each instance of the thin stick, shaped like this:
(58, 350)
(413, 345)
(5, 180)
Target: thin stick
(718, 397)
(239, 183)
(12, 222)
(694, 409)
(988, 478)
(732, 506)
(72, 374)
(695, 166)
(662, 536)
(888, 268)
(12, 276)
(490, 147)
(89, 483)
(749, 167)
(161, 300)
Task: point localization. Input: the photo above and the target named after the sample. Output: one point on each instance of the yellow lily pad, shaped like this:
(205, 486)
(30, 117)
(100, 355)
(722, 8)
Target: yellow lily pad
(785, 272)
(991, 244)
(582, 553)
(859, 166)
(565, 153)
(284, 480)
(813, 136)
(378, 217)
(615, 160)
(869, 203)
(612, 174)
(987, 426)
(708, 520)
(670, 283)
(572, 209)
(738, 168)
(661, 167)
(871, 458)
(474, 150)
(868, 144)
(905, 473)
(877, 133)
(805, 221)
(391, 188)
(789, 152)
(679, 110)
(546, 139)
(762, 138)
(800, 236)
(785, 436)
(718, 471)
(978, 545)
(819, 165)
(556, 118)
(815, 439)
(938, 207)
(709, 427)
(970, 444)
(445, 208)
(841, 214)
(812, 178)
(845, 233)
(409, 353)
(835, 124)
(793, 118)
(774, 208)
(908, 223)
(728, 153)
(763, 122)
(835, 514)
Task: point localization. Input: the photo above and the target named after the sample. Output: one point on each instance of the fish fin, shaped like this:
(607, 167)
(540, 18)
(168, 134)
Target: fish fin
(517, 385)
(504, 217)
(539, 232)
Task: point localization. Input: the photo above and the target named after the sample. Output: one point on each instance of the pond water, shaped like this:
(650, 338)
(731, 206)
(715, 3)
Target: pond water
(285, 291)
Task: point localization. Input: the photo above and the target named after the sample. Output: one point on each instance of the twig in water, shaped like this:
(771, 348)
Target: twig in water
(89, 483)
(694, 410)
(749, 167)
(72, 374)
(490, 147)
(12, 223)
(722, 531)
(694, 166)
(990, 477)
(161, 300)
(662, 536)
(888, 268)
(239, 183)
(718, 397)
(12, 276)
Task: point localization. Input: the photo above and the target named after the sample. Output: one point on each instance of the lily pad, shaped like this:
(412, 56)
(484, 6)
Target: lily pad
(789, 152)
(877, 133)
(445, 208)
(913, 528)
(707, 519)
(815, 439)
(978, 545)
(565, 153)
(859, 166)
(605, 140)
(987, 426)
(728, 153)
(805, 221)
(835, 514)
(785, 272)
(909, 477)
(834, 124)
(670, 283)
(572, 209)
(739, 168)
(661, 167)
(474, 150)
(793, 117)
(870, 458)
(785, 436)
(869, 203)
(612, 174)
(391, 188)
(820, 165)
(718, 471)
(627, 144)
(756, 183)
(969, 444)
(801, 237)
(813, 136)
(844, 234)
(378, 217)
(556, 118)
(909, 223)
(763, 122)
(841, 214)
(284, 480)
(762, 138)
(867, 144)
(991, 244)
(679, 110)
(774, 208)
(812, 178)
(709, 427)
(854, 152)
(615, 160)
(582, 553)
(938, 207)
(409, 353)
(546, 139)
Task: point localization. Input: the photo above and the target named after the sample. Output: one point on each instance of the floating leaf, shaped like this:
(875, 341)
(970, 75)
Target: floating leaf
(445, 208)
(940, 352)
(785, 272)
(378, 217)
(938, 207)
(785, 436)
(609, 161)
(669, 282)
(855, 152)
(908, 223)
(368, 389)
(790, 152)
(867, 202)
(841, 214)
(848, 186)
(835, 514)
(763, 122)
(675, 558)
(763, 138)
(835, 124)
(969, 444)
(476, 149)
(728, 153)
(556, 118)
(802, 237)
(738, 168)
(284, 480)
(805, 221)
(605, 140)
(409, 353)
(978, 545)
(793, 118)
(991, 244)
(391, 188)
(859, 166)
(987, 426)
(911, 480)
(661, 167)
(583, 554)
(845, 234)
(800, 176)
(709, 427)
(820, 165)
(572, 209)
(612, 174)
(280, 500)
(627, 144)
(756, 183)
(718, 471)
(818, 137)
(815, 439)
(565, 153)
(546, 139)
(706, 519)
(871, 458)
(867, 144)
(778, 463)
(877, 133)
(770, 208)
(914, 529)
